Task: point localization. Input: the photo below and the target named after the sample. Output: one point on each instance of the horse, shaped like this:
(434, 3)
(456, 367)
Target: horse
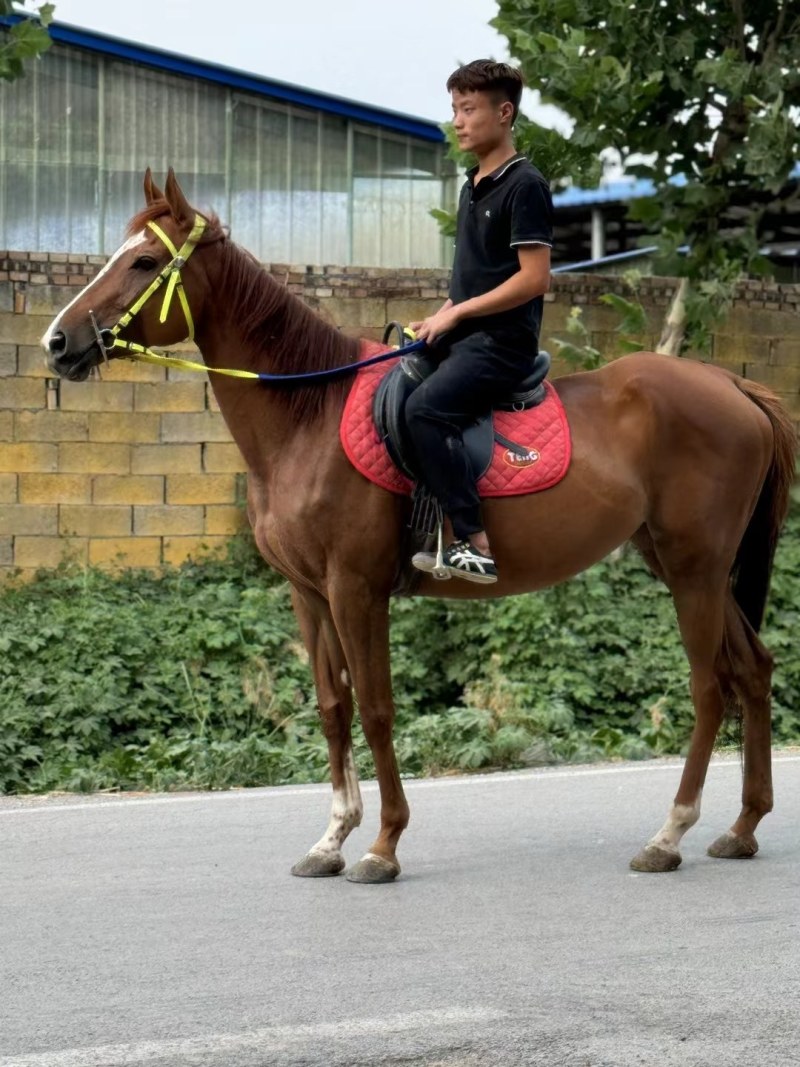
(689, 462)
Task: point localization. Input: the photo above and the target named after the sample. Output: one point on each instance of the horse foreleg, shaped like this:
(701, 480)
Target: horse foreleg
(362, 621)
(335, 700)
(751, 673)
(699, 605)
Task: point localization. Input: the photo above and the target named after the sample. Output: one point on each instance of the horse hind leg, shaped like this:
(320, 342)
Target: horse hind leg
(335, 701)
(699, 600)
(750, 673)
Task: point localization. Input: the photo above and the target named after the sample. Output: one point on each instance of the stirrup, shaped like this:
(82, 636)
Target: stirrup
(433, 562)
(440, 570)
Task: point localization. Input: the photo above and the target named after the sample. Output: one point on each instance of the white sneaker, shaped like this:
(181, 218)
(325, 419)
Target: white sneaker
(463, 560)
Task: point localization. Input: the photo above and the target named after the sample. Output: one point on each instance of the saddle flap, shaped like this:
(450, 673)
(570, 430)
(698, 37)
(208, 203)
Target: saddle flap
(388, 413)
(388, 407)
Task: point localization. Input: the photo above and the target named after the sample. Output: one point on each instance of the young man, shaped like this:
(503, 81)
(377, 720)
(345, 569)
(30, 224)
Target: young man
(486, 334)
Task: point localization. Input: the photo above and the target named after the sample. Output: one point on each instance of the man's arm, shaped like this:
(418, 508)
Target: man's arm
(416, 326)
(531, 280)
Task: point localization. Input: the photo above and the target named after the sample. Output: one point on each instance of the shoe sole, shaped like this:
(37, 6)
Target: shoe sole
(470, 576)
(427, 564)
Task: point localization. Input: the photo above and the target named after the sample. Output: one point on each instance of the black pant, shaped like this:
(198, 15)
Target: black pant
(474, 374)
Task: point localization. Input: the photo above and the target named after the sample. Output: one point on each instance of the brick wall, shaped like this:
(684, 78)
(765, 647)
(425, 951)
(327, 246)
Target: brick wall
(140, 470)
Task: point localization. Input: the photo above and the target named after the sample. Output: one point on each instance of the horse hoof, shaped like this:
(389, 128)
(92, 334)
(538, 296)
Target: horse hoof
(655, 859)
(733, 846)
(372, 870)
(319, 865)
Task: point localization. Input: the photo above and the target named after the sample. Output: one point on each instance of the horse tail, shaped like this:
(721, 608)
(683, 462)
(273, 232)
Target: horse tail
(752, 567)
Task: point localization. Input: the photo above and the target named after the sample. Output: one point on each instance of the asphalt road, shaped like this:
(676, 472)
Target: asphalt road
(167, 932)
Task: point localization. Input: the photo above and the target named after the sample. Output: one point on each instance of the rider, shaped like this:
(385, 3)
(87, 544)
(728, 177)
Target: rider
(486, 334)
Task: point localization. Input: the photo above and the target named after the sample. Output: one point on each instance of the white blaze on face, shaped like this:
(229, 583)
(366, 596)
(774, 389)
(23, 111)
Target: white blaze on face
(53, 328)
(346, 810)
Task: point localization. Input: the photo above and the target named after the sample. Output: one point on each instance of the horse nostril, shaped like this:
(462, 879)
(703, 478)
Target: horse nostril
(58, 343)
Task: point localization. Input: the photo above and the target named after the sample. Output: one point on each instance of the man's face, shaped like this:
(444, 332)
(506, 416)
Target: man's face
(479, 121)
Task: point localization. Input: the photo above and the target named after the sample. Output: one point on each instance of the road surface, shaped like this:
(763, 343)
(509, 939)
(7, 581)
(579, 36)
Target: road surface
(165, 931)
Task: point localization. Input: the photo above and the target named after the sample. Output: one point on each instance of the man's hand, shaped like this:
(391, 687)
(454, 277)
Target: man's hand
(417, 327)
(444, 320)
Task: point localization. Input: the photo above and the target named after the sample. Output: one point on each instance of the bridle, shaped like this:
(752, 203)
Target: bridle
(108, 340)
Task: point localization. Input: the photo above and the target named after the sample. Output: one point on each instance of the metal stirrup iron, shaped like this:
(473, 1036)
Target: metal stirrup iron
(439, 570)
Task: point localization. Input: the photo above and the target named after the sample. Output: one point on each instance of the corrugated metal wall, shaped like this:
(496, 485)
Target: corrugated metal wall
(295, 185)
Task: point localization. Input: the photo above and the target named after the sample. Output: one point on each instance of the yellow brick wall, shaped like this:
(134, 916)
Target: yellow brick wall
(113, 472)
(140, 470)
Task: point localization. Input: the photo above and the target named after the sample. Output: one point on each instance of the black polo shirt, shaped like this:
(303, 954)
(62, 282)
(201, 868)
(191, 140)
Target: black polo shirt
(510, 207)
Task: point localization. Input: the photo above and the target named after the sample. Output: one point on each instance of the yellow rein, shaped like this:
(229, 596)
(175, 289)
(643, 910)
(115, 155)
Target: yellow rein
(171, 274)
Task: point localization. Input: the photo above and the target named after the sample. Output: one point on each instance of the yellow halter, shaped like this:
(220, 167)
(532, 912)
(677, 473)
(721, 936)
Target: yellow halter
(109, 339)
(171, 274)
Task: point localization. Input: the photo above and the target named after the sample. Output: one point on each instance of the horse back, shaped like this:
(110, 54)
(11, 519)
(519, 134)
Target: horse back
(648, 400)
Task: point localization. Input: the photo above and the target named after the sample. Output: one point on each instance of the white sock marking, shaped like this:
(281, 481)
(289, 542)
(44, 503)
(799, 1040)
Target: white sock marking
(346, 810)
(681, 818)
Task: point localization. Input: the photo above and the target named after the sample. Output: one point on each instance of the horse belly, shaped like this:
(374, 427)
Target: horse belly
(546, 538)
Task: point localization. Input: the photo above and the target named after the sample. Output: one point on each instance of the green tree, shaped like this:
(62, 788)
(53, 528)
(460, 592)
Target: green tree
(23, 39)
(700, 98)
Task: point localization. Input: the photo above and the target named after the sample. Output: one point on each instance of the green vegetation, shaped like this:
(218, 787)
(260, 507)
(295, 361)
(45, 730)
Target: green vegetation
(577, 350)
(197, 677)
(25, 39)
(698, 98)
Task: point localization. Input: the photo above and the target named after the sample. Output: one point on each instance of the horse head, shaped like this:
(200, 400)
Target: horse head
(141, 296)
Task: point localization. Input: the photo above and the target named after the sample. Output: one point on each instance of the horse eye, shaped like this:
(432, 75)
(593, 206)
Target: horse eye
(144, 263)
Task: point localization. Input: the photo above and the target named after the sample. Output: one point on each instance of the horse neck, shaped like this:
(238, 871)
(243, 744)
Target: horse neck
(264, 421)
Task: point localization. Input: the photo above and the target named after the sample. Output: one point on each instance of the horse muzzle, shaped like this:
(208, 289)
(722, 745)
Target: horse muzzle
(69, 361)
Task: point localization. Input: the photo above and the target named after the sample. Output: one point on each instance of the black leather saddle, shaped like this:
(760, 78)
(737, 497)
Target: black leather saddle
(388, 409)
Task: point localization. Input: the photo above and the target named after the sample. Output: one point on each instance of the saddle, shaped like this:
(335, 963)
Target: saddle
(388, 413)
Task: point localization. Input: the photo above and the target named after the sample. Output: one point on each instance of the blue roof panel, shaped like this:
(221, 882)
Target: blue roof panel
(235, 79)
(621, 190)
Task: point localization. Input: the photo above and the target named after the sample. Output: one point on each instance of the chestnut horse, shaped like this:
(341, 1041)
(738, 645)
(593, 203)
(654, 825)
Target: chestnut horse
(689, 462)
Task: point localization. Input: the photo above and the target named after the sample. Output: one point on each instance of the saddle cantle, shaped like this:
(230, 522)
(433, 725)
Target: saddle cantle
(388, 413)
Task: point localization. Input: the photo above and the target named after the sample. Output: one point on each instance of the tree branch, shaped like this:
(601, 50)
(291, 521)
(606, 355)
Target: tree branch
(769, 44)
(675, 322)
(738, 14)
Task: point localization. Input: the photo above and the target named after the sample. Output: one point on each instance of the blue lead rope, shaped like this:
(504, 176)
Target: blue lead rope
(333, 372)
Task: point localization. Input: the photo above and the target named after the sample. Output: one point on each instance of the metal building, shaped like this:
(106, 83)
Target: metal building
(299, 176)
(594, 230)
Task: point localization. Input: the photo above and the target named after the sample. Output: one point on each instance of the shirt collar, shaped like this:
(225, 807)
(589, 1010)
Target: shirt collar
(499, 171)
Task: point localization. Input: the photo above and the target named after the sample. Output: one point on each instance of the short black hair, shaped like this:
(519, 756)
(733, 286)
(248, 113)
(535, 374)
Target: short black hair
(485, 76)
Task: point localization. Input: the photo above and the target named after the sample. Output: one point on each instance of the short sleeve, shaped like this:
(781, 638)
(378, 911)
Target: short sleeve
(532, 214)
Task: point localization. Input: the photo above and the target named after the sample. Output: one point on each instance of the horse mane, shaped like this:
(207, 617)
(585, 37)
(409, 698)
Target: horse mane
(270, 317)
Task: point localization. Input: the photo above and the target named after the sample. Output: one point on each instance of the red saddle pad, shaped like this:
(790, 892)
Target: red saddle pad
(543, 430)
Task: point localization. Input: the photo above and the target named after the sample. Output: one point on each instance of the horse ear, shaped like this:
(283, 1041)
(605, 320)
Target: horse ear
(151, 190)
(178, 204)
